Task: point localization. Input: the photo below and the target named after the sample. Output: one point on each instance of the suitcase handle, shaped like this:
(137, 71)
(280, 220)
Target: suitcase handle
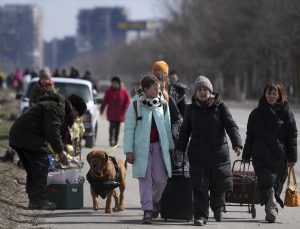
(242, 167)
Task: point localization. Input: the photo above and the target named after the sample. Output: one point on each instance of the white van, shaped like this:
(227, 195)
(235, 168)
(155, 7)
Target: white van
(66, 87)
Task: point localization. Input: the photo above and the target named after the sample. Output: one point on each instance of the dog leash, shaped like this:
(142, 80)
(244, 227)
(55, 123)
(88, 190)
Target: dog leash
(113, 148)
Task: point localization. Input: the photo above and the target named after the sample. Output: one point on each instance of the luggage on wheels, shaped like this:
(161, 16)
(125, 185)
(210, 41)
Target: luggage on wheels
(244, 193)
(176, 201)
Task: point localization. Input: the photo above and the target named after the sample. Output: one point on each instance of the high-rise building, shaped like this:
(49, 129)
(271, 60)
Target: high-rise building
(59, 52)
(21, 35)
(98, 29)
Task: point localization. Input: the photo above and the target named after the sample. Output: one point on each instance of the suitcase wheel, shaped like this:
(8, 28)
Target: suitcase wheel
(253, 211)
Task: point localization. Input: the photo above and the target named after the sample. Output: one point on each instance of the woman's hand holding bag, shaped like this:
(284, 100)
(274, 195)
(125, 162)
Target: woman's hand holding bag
(292, 196)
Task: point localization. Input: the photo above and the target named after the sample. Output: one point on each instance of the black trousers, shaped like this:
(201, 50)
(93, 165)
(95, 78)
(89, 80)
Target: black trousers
(36, 165)
(268, 178)
(204, 193)
(202, 200)
(114, 129)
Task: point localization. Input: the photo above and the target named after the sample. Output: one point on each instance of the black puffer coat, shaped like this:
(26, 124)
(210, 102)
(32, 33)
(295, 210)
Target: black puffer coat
(208, 145)
(271, 142)
(178, 91)
(176, 119)
(43, 123)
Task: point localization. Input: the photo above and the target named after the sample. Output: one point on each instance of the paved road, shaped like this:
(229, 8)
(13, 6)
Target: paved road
(87, 218)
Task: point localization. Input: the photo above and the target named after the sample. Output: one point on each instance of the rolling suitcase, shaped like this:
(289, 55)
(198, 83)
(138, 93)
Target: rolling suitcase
(176, 201)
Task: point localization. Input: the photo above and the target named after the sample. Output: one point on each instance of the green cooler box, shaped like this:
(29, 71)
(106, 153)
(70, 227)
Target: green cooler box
(66, 196)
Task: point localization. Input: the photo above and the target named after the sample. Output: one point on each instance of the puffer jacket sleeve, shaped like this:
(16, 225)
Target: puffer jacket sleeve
(168, 128)
(230, 126)
(33, 95)
(176, 119)
(129, 129)
(182, 104)
(185, 130)
(126, 100)
(248, 147)
(53, 118)
(291, 139)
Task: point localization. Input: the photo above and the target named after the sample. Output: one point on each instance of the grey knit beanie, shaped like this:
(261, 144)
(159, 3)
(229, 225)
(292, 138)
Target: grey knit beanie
(203, 81)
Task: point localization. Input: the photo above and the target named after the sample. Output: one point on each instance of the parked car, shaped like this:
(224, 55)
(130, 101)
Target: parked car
(66, 87)
(102, 86)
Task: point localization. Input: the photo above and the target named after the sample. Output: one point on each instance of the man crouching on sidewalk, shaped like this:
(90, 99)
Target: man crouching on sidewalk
(43, 124)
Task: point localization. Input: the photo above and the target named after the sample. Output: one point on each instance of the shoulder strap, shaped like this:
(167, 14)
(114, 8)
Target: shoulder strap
(136, 111)
(135, 106)
(164, 106)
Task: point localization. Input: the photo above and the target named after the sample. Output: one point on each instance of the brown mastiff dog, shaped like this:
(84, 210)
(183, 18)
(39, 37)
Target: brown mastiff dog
(103, 175)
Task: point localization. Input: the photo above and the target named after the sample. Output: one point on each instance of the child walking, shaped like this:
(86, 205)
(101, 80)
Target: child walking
(147, 126)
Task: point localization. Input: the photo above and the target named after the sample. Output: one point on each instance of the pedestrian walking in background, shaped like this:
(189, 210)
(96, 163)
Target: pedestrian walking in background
(147, 142)
(17, 80)
(74, 73)
(2, 79)
(205, 121)
(56, 73)
(178, 91)
(42, 87)
(271, 142)
(64, 73)
(117, 100)
(173, 77)
(30, 135)
(88, 76)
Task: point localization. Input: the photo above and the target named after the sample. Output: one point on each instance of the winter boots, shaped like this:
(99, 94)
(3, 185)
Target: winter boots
(147, 219)
(156, 208)
(199, 221)
(271, 207)
(41, 205)
(218, 215)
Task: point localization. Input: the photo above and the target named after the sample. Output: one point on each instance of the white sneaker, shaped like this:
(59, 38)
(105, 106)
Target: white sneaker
(271, 215)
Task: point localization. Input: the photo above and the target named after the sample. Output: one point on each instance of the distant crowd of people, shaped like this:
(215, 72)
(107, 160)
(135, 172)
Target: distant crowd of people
(19, 80)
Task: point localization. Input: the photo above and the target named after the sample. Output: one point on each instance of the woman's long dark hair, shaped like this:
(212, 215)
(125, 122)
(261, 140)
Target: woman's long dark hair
(282, 98)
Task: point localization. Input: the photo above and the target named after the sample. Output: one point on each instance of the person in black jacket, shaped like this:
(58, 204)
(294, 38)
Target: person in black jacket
(271, 142)
(178, 91)
(42, 124)
(204, 125)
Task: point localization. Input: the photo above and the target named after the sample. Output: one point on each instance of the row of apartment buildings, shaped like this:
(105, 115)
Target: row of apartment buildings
(22, 43)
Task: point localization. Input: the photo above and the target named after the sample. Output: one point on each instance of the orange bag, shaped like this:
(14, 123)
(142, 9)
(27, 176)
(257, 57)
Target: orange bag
(292, 196)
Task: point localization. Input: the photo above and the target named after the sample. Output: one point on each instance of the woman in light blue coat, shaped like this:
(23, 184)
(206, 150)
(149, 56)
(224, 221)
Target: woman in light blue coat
(147, 144)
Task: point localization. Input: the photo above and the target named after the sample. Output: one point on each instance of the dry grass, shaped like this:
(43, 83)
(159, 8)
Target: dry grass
(13, 198)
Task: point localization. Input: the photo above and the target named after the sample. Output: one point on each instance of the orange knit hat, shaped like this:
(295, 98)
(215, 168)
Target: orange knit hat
(160, 66)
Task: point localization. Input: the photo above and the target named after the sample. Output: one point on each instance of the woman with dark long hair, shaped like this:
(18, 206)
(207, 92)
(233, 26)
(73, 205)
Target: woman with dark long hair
(271, 142)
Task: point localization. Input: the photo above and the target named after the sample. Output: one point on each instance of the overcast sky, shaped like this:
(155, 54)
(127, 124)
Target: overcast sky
(60, 16)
